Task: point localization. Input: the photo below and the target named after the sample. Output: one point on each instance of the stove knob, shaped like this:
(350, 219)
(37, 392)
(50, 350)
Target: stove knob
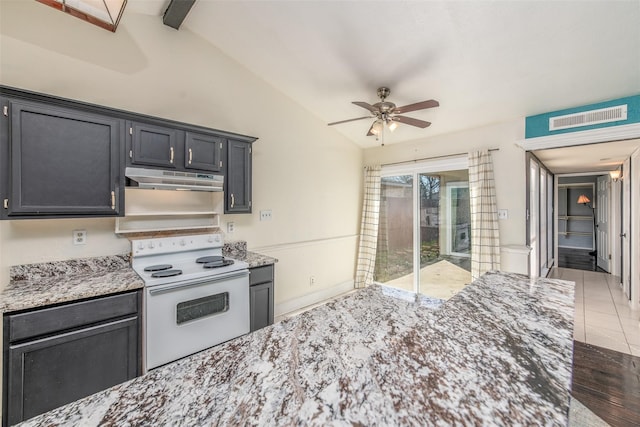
(211, 239)
(140, 246)
(151, 245)
(182, 242)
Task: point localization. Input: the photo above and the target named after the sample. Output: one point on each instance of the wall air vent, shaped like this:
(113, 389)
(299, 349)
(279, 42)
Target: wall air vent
(587, 118)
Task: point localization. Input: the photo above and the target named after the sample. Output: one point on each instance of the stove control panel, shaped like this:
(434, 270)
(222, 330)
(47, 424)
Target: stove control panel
(166, 245)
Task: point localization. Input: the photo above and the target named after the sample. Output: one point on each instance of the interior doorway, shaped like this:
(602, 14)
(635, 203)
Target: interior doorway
(602, 222)
(577, 208)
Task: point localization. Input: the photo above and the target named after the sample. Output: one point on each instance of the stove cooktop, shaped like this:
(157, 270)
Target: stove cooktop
(167, 260)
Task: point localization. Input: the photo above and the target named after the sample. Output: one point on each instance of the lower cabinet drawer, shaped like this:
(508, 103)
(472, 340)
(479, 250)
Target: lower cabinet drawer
(261, 274)
(50, 320)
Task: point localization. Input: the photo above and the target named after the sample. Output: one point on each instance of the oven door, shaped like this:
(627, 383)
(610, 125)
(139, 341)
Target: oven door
(184, 318)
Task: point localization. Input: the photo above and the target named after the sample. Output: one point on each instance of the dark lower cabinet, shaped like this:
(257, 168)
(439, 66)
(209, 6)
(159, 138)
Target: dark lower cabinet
(238, 177)
(54, 356)
(261, 296)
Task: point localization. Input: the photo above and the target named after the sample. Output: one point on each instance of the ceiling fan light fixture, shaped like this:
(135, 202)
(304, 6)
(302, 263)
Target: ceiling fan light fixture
(392, 126)
(377, 127)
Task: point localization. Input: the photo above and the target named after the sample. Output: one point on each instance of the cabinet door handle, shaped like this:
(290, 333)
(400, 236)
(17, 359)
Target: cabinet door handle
(171, 154)
(113, 200)
(190, 155)
(233, 200)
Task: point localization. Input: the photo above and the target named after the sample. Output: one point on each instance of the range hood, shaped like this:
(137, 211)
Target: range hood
(159, 179)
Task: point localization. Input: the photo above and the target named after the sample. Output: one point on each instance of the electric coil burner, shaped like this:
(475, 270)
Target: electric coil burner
(194, 297)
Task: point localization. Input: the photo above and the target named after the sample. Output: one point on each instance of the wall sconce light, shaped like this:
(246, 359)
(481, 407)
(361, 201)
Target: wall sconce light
(616, 175)
(103, 13)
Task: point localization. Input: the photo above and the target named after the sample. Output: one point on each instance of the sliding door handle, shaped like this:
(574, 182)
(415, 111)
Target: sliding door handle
(623, 235)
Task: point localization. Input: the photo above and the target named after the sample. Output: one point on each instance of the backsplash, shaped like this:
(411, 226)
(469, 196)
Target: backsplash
(235, 249)
(73, 266)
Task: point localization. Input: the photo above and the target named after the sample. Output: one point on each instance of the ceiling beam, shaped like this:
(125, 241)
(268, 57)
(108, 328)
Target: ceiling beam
(176, 12)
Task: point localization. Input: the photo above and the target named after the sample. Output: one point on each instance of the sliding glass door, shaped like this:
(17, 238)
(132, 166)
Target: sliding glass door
(394, 257)
(424, 237)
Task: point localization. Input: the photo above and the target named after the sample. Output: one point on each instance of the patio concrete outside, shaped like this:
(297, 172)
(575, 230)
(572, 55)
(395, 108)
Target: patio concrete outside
(439, 280)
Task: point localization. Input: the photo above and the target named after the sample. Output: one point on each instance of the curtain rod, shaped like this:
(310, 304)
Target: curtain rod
(431, 158)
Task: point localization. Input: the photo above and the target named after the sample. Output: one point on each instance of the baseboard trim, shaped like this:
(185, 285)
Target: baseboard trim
(313, 298)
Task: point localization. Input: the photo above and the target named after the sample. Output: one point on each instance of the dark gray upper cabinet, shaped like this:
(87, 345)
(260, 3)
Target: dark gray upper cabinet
(238, 178)
(152, 145)
(60, 161)
(203, 152)
(61, 158)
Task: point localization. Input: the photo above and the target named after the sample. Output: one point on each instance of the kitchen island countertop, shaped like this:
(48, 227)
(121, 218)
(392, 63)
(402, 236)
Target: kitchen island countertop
(497, 353)
(38, 285)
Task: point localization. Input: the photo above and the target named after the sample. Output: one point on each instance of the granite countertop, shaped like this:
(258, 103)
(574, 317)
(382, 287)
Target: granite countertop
(498, 353)
(39, 285)
(238, 250)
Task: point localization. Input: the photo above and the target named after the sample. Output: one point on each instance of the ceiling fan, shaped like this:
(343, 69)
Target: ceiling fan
(385, 112)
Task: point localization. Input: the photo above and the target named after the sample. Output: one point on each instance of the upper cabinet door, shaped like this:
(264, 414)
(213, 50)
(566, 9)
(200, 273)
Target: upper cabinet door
(203, 152)
(62, 162)
(153, 145)
(238, 177)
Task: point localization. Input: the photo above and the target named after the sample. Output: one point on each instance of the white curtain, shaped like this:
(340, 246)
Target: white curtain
(368, 227)
(485, 237)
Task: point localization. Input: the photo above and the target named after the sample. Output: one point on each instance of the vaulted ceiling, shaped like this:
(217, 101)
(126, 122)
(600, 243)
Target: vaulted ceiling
(484, 61)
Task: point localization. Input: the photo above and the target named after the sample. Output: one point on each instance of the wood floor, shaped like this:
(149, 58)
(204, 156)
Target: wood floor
(577, 258)
(608, 383)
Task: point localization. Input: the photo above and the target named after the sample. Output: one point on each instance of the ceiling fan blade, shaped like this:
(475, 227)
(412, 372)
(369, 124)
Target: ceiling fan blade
(365, 106)
(417, 106)
(350, 120)
(369, 133)
(410, 121)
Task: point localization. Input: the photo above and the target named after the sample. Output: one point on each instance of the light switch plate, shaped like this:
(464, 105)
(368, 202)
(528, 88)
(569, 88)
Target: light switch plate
(503, 214)
(265, 215)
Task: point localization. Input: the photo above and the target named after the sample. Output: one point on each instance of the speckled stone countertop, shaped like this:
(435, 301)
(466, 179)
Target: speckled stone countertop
(38, 285)
(498, 353)
(238, 250)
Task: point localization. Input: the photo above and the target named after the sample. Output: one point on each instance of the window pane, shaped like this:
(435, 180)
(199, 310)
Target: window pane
(445, 233)
(394, 256)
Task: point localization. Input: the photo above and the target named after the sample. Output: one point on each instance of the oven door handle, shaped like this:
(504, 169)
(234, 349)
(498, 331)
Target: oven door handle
(157, 290)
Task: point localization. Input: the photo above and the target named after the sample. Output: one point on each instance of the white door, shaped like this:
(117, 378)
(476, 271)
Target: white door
(534, 219)
(626, 228)
(603, 248)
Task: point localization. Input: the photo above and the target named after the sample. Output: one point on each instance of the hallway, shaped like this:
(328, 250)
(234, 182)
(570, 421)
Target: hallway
(602, 317)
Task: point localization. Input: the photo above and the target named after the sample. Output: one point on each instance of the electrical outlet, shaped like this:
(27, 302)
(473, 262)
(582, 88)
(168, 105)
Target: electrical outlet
(312, 280)
(503, 214)
(265, 215)
(230, 227)
(79, 237)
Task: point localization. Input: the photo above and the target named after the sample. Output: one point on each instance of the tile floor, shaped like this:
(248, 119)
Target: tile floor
(603, 317)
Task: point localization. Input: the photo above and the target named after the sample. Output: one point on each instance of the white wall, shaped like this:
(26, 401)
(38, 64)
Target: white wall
(308, 174)
(508, 163)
